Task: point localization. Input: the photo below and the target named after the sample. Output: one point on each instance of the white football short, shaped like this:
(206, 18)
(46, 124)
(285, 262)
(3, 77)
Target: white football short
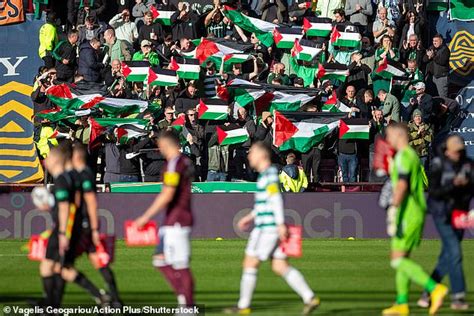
(264, 245)
(175, 245)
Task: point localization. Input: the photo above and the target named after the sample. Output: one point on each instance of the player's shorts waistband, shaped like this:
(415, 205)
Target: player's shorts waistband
(176, 226)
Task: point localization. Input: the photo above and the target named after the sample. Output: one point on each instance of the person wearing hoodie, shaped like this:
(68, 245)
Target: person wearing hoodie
(292, 176)
(187, 99)
(89, 63)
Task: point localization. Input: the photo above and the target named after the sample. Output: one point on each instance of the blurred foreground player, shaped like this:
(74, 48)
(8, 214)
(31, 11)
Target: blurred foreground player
(85, 183)
(264, 240)
(174, 250)
(405, 221)
(58, 266)
(451, 188)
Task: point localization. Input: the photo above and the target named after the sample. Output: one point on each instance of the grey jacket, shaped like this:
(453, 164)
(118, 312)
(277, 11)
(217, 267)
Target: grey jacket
(359, 17)
(391, 107)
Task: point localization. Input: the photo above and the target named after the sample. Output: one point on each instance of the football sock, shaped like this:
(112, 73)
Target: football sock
(296, 281)
(169, 274)
(403, 285)
(84, 282)
(59, 285)
(48, 287)
(414, 272)
(109, 278)
(187, 285)
(247, 286)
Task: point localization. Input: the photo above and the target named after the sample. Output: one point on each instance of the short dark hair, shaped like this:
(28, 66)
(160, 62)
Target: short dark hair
(72, 32)
(340, 11)
(438, 36)
(170, 135)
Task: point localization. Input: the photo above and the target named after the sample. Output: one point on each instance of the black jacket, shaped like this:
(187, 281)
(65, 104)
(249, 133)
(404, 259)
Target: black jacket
(438, 66)
(184, 28)
(441, 189)
(184, 102)
(89, 64)
(426, 107)
(64, 50)
(358, 75)
(146, 30)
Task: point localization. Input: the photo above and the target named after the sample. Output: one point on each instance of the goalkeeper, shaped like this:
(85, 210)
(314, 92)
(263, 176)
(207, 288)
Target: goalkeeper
(405, 220)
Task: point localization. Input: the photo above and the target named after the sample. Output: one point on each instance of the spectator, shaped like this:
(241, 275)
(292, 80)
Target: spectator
(424, 102)
(364, 104)
(66, 58)
(240, 153)
(347, 159)
(90, 30)
(292, 176)
(167, 120)
(312, 158)
(377, 129)
(382, 25)
(349, 99)
(326, 8)
(112, 73)
(150, 31)
(79, 10)
(340, 17)
(152, 160)
(194, 134)
(183, 22)
(411, 50)
(391, 106)
(139, 12)
(125, 29)
(279, 70)
(48, 38)
(146, 53)
(116, 49)
(187, 99)
(358, 72)
(414, 24)
(164, 49)
(89, 65)
(272, 10)
(437, 69)
(421, 136)
(211, 80)
(359, 12)
(238, 73)
(218, 160)
(385, 52)
(214, 22)
(296, 11)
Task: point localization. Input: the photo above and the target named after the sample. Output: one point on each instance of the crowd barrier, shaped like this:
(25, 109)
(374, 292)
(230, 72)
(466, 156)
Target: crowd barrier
(322, 215)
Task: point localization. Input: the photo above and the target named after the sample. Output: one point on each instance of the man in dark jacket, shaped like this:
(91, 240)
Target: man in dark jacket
(358, 72)
(90, 66)
(242, 167)
(183, 22)
(437, 59)
(188, 99)
(66, 59)
(151, 31)
(451, 187)
(424, 102)
(78, 10)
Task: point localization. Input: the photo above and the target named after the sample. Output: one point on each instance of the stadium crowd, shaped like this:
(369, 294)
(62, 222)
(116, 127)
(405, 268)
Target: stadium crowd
(88, 50)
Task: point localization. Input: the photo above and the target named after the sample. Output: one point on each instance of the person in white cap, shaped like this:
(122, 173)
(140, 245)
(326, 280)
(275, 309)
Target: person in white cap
(423, 102)
(146, 53)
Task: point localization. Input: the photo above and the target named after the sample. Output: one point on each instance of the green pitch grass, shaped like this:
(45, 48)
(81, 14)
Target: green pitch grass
(351, 277)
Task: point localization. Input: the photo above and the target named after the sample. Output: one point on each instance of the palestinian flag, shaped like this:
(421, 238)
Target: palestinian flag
(345, 39)
(262, 29)
(332, 71)
(212, 109)
(180, 121)
(60, 91)
(135, 70)
(354, 128)
(236, 58)
(232, 134)
(186, 68)
(120, 107)
(124, 132)
(285, 36)
(55, 114)
(305, 50)
(300, 131)
(399, 83)
(57, 134)
(389, 69)
(162, 77)
(244, 97)
(288, 102)
(437, 5)
(209, 49)
(161, 16)
(243, 84)
(100, 125)
(314, 26)
(334, 105)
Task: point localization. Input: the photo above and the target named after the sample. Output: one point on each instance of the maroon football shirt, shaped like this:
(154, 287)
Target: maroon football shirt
(179, 173)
